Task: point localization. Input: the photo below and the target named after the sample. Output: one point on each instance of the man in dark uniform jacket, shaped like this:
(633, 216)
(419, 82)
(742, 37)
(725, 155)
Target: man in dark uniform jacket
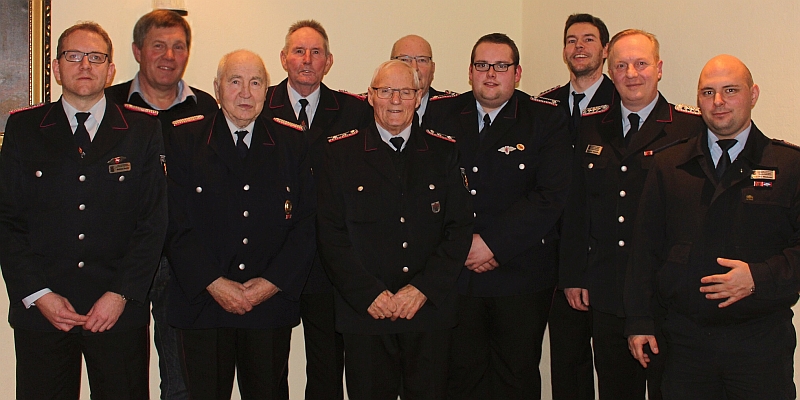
(306, 57)
(416, 51)
(718, 247)
(571, 367)
(161, 43)
(394, 230)
(241, 238)
(612, 158)
(82, 222)
(515, 154)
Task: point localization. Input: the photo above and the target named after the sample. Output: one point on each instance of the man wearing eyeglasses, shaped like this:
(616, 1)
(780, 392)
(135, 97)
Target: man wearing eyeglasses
(82, 222)
(515, 155)
(303, 99)
(161, 43)
(416, 52)
(614, 151)
(394, 222)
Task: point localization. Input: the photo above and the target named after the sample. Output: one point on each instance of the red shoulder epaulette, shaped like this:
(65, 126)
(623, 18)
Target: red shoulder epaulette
(152, 113)
(440, 136)
(687, 109)
(341, 136)
(545, 100)
(445, 95)
(193, 118)
(360, 96)
(552, 89)
(595, 110)
(785, 144)
(31, 107)
(292, 125)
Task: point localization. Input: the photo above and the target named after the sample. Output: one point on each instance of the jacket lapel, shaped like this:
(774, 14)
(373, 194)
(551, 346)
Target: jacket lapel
(262, 146)
(55, 129)
(378, 158)
(505, 119)
(220, 140)
(653, 127)
(111, 130)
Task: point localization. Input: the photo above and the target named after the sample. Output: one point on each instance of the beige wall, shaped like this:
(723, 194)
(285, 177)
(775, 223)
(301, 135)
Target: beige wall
(763, 34)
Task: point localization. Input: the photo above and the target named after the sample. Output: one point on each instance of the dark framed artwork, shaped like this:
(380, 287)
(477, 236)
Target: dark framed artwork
(25, 51)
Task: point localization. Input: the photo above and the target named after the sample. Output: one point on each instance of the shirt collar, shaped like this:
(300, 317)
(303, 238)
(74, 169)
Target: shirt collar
(313, 102)
(184, 92)
(96, 114)
(733, 152)
(423, 104)
(643, 114)
(589, 92)
(385, 135)
(492, 115)
(249, 128)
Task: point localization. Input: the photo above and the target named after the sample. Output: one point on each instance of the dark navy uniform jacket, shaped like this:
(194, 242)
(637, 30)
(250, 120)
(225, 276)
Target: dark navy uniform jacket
(603, 96)
(238, 219)
(380, 232)
(336, 113)
(518, 177)
(687, 220)
(606, 187)
(81, 226)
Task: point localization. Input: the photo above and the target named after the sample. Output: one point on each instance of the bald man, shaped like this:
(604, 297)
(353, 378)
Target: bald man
(718, 245)
(416, 52)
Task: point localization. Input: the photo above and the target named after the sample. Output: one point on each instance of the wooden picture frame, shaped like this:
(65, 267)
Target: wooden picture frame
(26, 53)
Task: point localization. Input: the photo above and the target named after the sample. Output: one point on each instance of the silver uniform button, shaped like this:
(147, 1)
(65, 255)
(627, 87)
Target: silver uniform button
(473, 192)
(405, 245)
(621, 243)
(81, 236)
(245, 241)
(288, 190)
(522, 166)
(474, 215)
(198, 189)
(474, 169)
(246, 213)
(405, 269)
(246, 187)
(621, 219)
(542, 241)
(622, 193)
(121, 178)
(360, 188)
(241, 267)
(82, 178)
(38, 174)
(623, 168)
(81, 264)
(431, 186)
(82, 207)
(590, 166)
(402, 220)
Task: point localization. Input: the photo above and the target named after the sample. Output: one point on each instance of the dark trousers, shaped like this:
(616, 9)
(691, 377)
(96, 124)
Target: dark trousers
(497, 346)
(571, 366)
(746, 361)
(166, 338)
(258, 357)
(378, 365)
(49, 364)
(619, 375)
(324, 348)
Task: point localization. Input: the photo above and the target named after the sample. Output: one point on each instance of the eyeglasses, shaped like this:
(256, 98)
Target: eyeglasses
(498, 67)
(77, 56)
(387, 92)
(421, 60)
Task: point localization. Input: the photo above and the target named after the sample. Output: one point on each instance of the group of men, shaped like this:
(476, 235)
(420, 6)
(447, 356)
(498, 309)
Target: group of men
(429, 237)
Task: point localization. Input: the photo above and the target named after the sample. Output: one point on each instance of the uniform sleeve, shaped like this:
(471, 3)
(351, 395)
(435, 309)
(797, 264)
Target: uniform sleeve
(574, 244)
(535, 214)
(144, 249)
(353, 282)
(437, 281)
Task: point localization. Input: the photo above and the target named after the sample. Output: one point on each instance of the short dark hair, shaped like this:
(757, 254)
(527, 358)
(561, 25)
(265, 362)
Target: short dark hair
(308, 23)
(497, 38)
(89, 26)
(589, 19)
(160, 19)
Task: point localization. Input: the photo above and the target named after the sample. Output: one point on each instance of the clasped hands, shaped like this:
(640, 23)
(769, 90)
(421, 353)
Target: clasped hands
(403, 304)
(240, 298)
(101, 317)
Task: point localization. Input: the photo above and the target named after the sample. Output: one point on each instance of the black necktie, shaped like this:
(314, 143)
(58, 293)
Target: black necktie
(725, 159)
(634, 118)
(397, 142)
(487, 122)
(576, 110)
(241, 146)
(302, 117)
(81, 134)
